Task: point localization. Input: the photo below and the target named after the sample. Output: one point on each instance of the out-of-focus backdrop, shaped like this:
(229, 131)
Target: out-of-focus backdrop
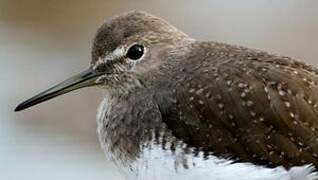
(43, 42)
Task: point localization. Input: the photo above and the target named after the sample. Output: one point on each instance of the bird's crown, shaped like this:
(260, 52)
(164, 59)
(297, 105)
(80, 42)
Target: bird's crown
(132, 28)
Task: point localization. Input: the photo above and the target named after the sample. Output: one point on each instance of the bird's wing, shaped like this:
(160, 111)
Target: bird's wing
(249, 105)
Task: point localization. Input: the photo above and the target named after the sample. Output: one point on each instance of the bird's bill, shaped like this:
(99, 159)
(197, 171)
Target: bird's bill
(83, 79)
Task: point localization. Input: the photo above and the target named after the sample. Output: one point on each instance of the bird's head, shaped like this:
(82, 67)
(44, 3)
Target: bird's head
(124, 50)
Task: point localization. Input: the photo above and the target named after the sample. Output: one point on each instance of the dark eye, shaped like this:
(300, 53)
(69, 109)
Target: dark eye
(135, 52)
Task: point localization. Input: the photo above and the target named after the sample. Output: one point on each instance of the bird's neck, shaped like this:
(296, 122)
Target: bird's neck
(125, 124)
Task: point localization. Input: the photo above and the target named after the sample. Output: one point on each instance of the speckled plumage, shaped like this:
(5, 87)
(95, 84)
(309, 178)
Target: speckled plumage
(252, 105)
(223, 100)
(189, 109)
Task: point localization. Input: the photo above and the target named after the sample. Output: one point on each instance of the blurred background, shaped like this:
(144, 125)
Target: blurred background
(44, 42)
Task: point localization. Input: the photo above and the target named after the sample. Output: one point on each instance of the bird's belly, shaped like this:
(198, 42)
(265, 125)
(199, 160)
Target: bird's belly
(156, 163)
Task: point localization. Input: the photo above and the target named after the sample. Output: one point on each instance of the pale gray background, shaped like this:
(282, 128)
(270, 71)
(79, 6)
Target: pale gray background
(43, 42)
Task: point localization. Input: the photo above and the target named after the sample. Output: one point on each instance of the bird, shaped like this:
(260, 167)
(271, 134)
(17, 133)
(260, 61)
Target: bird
(179, 108)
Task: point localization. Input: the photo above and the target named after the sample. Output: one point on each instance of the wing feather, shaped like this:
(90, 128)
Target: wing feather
(246, 104)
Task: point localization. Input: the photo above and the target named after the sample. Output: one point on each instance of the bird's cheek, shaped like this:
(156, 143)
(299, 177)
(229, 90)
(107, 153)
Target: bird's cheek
(130, 65)
(104, 80)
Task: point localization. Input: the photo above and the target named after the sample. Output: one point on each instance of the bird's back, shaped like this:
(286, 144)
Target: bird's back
(247, 104)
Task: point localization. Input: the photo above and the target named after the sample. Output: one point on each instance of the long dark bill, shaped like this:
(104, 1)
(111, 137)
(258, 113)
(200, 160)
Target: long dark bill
(83, 79)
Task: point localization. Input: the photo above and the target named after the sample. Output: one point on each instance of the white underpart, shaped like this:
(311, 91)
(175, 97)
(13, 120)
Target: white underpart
(154, 163)
(159, 164)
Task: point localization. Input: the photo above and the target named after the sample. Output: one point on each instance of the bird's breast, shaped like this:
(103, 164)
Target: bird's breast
(149, 151)
(125, 124)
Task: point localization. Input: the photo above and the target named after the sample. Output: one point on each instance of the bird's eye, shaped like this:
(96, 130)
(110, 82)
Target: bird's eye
(135, 52)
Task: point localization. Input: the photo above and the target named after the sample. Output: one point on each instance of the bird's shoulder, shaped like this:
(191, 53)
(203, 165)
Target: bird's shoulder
(244, 103)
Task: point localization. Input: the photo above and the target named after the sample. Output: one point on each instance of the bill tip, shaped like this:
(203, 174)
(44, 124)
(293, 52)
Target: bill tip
(18, 108)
